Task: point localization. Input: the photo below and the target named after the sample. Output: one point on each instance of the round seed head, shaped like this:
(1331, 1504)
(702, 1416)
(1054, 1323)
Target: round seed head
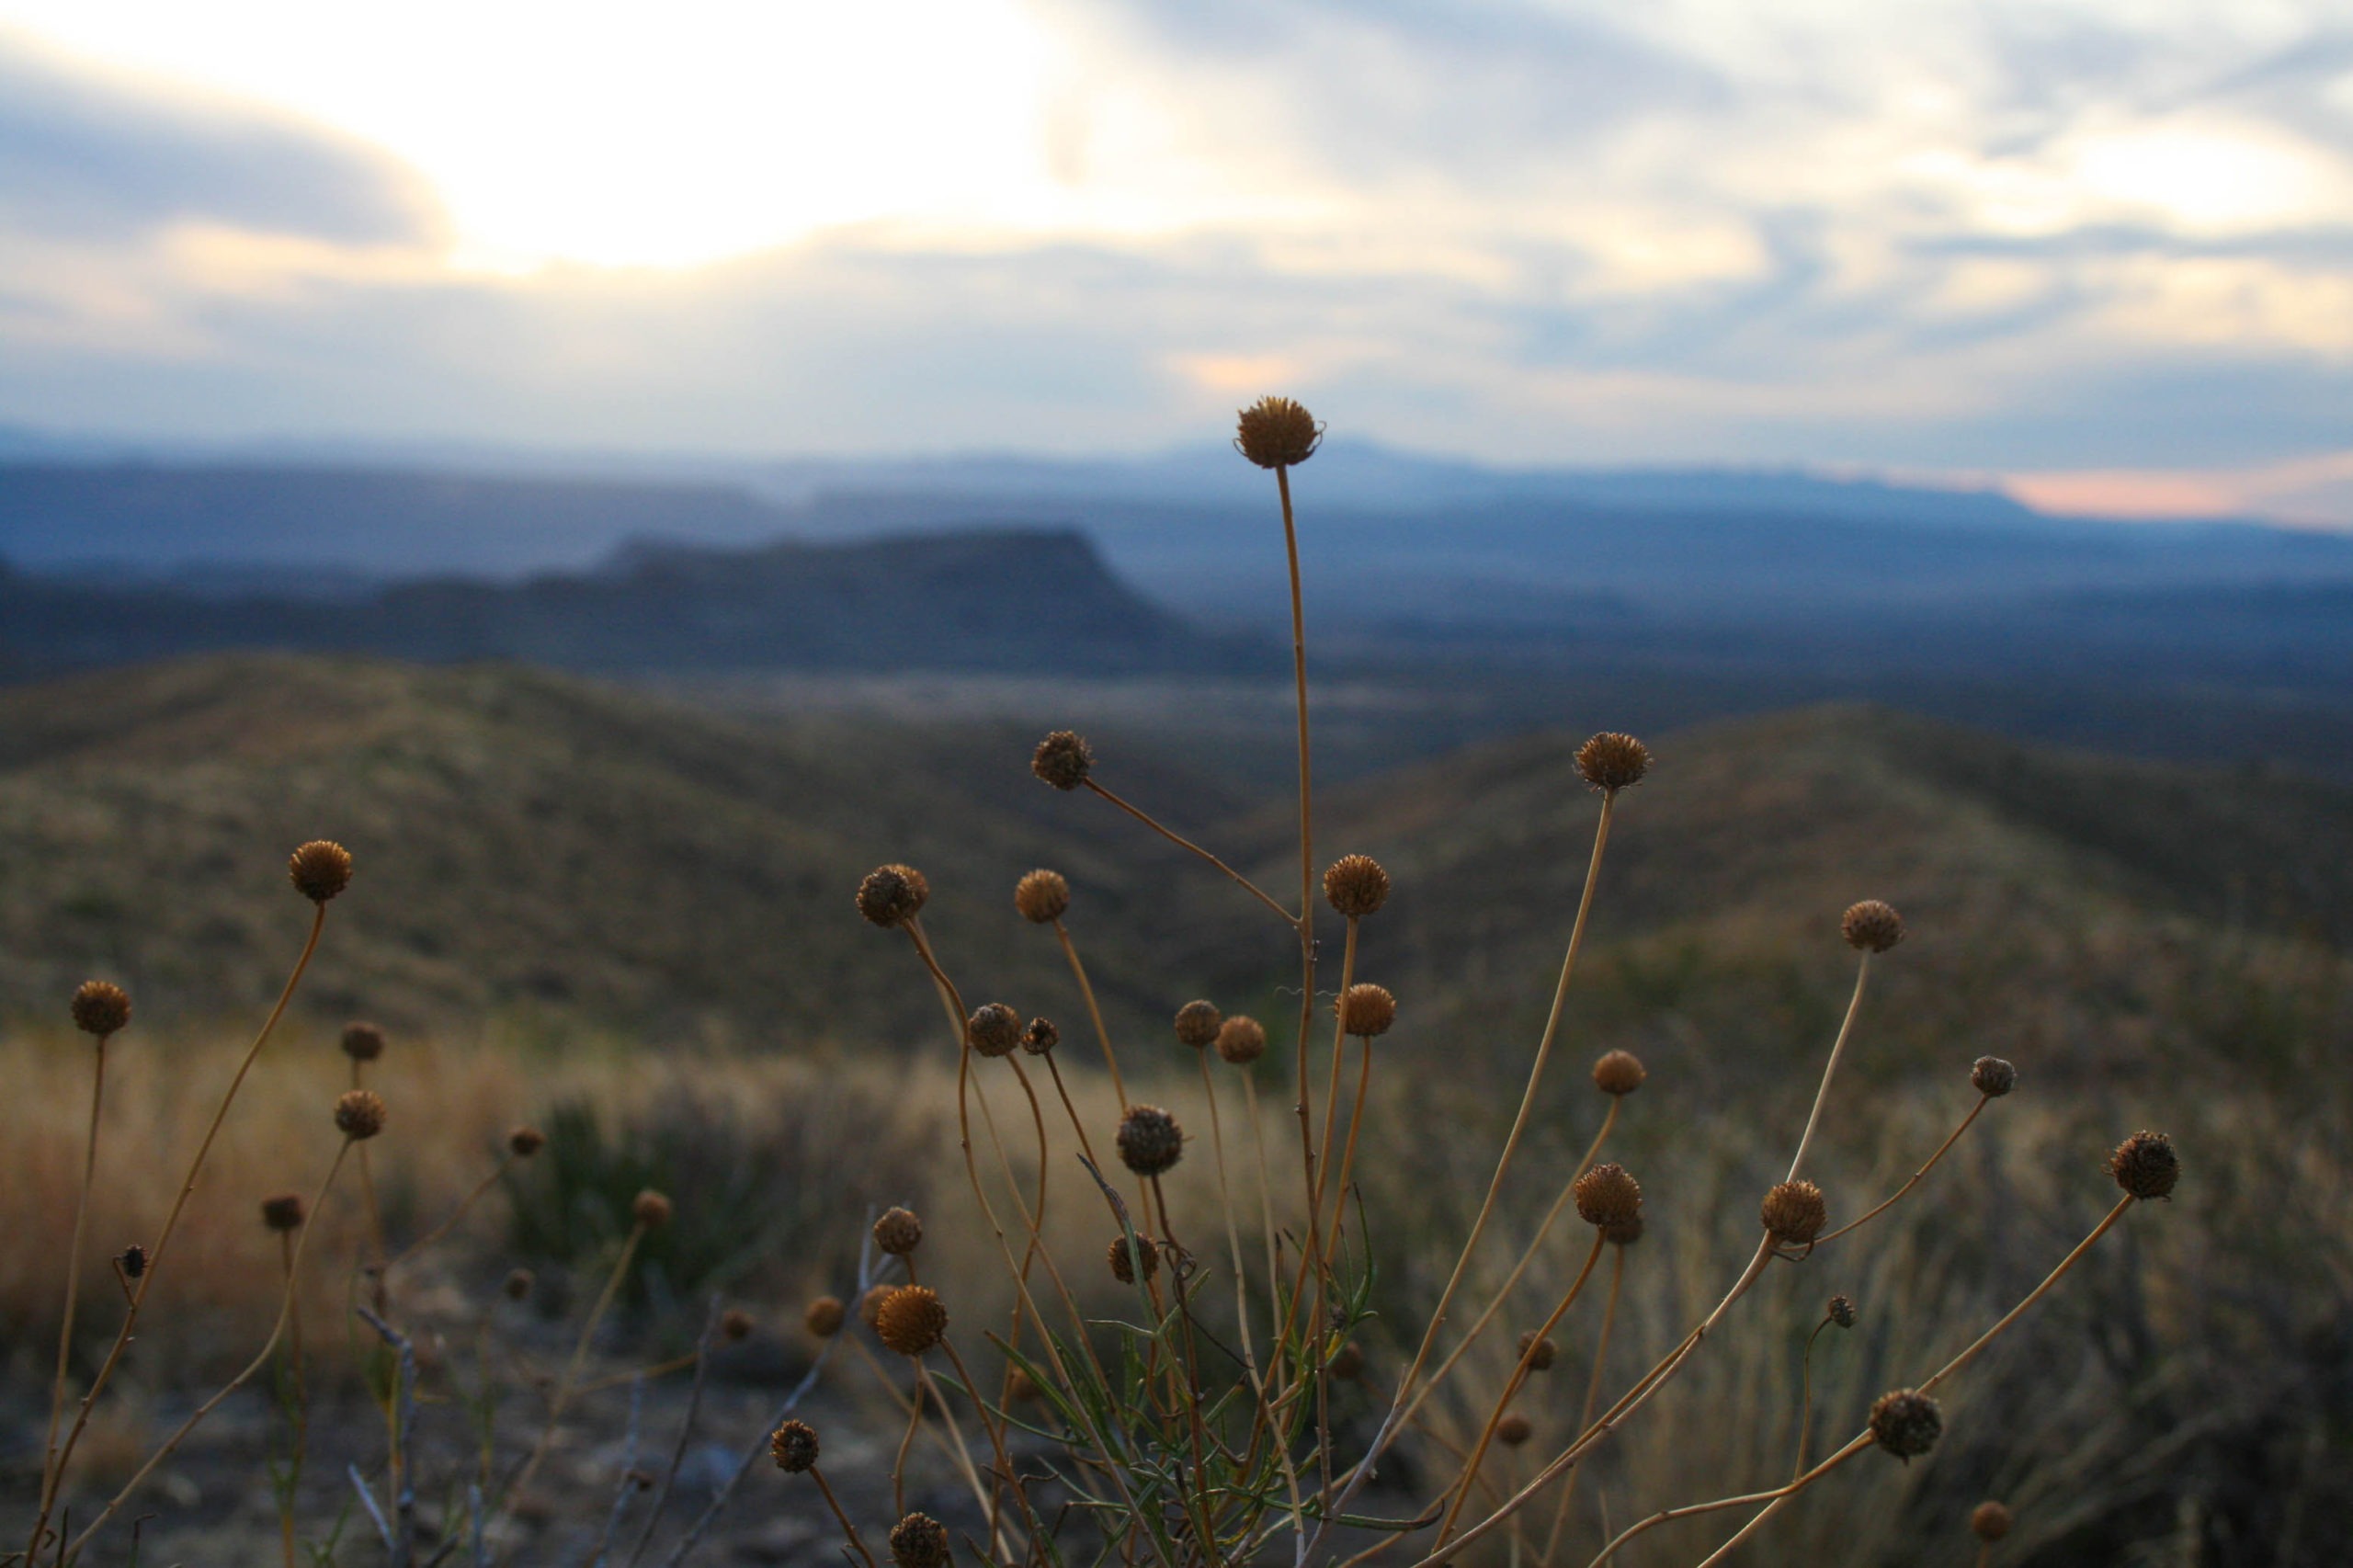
(132, 1260)
(1150, 1141)
(1618, 1073)
(1540, 1354)
(1124, 1266)
(100, 1008)
(1872, 926)
(1794, 1212)
(1041, 1036)
(823, 1317)
(1062, 759)
(994, 1028)
(650, 1208)
(1021, 1388)
(1513, 1430)
(1905, 1424)
(1608, 1195)
(362, 1042)
(898, 1232)
(2145, 1166)
(1993, 1077)
(910, 1320)
(516, 1285)
(1989, 1521)
(320, 869)
(870, 1306)
(1277, 432)
(526, 1140)
(1356, 885)
(735, 1325)
(1367, 1010)
(1042, 896)
(794, 1447)
(1611, 762)
(919, 1542)
(1197, 1024)
(1622, 1232)
(359, 1114)
(283, 1212)
(1842, 1311)
(1242, 1039)
(893, 895)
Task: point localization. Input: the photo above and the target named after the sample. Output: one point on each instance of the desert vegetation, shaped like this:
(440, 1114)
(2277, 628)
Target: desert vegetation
(1257, 1283)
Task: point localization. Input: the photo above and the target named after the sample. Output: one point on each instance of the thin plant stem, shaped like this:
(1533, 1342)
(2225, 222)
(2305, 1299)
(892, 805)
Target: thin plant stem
(1916, 1175)
(835, 1504)
(1805, 1397)
(1094, 1010)
(566, 1386)
(74, 1267)
(1592, 1398)
(1331, 1087)
(1837, 1049)
(449, 1220)
(949, 1442)
(1348, 1154)
(906, 1445)
(997, 1441)
(686, 1433)
(1265, 1208)
(1179, 839)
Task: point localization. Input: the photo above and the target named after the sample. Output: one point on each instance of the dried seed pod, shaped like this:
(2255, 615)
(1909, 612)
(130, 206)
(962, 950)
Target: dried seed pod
(526, 1140)
(1989, 1521)
(1241, 1039)
(824, 1317)
(1356, 885)
(362, 1041)
(1039, 1035)
(1608, 1195)
(100, 1008)
(1123, 1268)
(1906, 1424)
(910, 1320)
(2145, 1166)
(1021, 1388)
(1611, 762)
(359, 1114)
(1872, 926)
(650, 1208)
(1062, 759)
(132, 1260)
(994, 1029)
(1540, 1354)
(1150, 1141)
(893, 895)
(919, 1542)
(1348, 1361)
(1842, 1311)
(734, 1325)
(320, 869)
(1513, 1430)
(1041, 896)
(284, 1211)
(898, 1232)
(1622, 1232)
(1197, 1024)
(1794, 1212)
(1993, 1077)
(1277, 432)
(1618, 1073)
(794, 1447)
(870, 1306)
(517, 1284)
(1367, 1010)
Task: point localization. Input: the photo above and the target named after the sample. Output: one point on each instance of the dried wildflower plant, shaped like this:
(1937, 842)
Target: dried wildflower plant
(1238, 1401)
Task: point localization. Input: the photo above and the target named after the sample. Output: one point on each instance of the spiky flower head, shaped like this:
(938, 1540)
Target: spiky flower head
(1041, 896)
(1608, 1195)
(283, 1212)
(1062, 759)
(1356, 885)
(359, 1114)
(1872, 926)
(824, 1317)
(994, 1028)
(320, 869)
(517, 1284)
(1367, 1010)
(1242, 1039)
(1989, 1521)
(2145, 1166)
(910, 1320)
(919, 1542)
(1794, 1212)
(1611, 762)
(651, 1208)
(1538, 1352)
(100, 1008)
(898, 1232)
(1842, 1311)
(1277, 432)
(524, 1141)
(1513, 1430)
(1124, 1266)
(1039, 1035)
(362, 1041)
(1197, 1024)
(1150, 1141)
(1906, 1424)
(893, 895)
(1622, 1232)
(1618, 1073)
(1993, 1077)
(132, 1260)
(735, 1325)
(794, 1447)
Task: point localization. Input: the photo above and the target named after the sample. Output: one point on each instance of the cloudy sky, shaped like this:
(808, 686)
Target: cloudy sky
(2099, 250)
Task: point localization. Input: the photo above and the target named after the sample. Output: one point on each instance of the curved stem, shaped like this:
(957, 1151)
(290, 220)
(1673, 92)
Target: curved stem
(835, 1504)
(1094, 1012)
(438, 1232)
(1924, 1170)
(1837, 1049)
(74, 1270)
(1179, 839)
(567, 1386)
(907, 1442)
(1332, 1086)
(1805, 1397)
(1592, 1398)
